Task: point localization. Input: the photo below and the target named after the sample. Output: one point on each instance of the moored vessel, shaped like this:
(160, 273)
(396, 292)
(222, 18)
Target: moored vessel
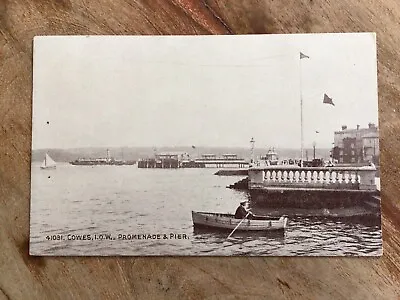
(110, 161)
(228, 222)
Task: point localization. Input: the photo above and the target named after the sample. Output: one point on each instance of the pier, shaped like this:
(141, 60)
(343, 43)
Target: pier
(293, 187)
(175, 160)
(352, 179)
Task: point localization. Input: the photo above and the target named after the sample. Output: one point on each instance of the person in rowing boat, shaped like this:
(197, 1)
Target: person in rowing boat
(243, 210)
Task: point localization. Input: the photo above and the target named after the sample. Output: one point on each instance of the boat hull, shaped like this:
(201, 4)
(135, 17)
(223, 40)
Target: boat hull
(94, 163)
(48, 168)
(228, 222)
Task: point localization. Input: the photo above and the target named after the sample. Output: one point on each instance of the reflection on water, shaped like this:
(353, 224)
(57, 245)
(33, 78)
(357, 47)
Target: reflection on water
(240, 243)
(303, 236)
(123, 200)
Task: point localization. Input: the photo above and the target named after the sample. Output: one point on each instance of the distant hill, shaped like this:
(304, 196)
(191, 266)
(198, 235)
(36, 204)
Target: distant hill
(134, 153)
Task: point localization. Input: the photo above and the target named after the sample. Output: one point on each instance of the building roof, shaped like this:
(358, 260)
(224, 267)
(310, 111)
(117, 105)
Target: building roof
(354, 130)
(372, 135)
(172, 153)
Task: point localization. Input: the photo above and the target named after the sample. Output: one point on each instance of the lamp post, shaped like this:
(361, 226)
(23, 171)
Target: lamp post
(314, 145)
(252, 142)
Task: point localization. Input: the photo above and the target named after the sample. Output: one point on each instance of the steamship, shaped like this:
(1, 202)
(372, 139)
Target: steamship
(104, 161)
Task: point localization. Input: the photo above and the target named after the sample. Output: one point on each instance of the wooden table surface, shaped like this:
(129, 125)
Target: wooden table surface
(25, 277)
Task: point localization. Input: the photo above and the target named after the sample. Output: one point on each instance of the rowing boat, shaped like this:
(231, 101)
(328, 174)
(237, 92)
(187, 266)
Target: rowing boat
(228, 222)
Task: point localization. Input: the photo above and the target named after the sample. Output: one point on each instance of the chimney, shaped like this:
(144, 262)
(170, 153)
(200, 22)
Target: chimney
(358, 127)
(371, 125)
(344, 127)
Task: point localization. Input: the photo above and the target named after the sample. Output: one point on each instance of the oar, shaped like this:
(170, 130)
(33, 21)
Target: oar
(237, 225)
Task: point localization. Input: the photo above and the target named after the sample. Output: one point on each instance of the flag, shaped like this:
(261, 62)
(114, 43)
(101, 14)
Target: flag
(328, 100)
(194, 147)
(302, 55)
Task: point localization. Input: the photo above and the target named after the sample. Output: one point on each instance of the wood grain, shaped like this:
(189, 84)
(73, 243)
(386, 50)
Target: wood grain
(25, 277)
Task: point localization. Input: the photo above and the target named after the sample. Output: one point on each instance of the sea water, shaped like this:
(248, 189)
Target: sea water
(123, 210)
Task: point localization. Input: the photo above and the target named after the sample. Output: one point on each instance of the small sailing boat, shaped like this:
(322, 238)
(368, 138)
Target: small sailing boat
(48, 163)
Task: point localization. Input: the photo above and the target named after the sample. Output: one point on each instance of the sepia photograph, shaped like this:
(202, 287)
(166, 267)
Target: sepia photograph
(239, 145)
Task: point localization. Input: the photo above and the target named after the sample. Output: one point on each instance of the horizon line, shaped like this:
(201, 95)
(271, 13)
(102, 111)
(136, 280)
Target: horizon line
(159, 147)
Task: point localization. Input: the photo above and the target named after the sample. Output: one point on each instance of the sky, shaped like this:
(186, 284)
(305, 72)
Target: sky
(135, 91)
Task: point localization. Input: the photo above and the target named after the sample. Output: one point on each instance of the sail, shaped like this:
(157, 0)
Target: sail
(49, 162)
(43, 165)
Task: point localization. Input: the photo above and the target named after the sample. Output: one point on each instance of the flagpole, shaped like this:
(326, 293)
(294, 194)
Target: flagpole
(301, 117)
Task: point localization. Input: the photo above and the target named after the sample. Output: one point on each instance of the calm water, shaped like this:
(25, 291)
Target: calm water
(73, 201)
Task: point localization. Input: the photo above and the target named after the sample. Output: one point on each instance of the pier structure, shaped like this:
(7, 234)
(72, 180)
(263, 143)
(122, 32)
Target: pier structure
(225, 161)
(312, 187)
(361, 179)
(164, 160)
(182, 160)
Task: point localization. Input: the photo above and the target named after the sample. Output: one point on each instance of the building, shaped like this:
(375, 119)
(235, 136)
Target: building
(357, 145)
(271, 157)
(178, 156)
(170, 160)
(225, 161)
(164, 160)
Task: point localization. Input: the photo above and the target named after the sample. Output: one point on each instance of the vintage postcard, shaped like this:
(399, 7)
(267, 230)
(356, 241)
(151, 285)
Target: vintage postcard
(257, 145)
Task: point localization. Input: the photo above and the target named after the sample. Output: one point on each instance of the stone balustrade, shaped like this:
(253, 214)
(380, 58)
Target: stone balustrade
(340, 178)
